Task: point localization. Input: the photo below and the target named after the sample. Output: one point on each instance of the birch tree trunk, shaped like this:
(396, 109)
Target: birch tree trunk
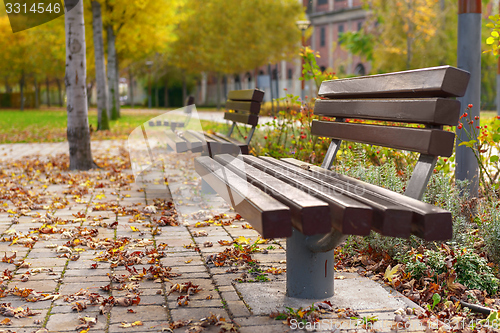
(114, 103)
(100, 68)
(80, 155)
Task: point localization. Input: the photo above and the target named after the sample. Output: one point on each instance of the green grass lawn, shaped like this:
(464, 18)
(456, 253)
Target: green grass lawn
(50, 125)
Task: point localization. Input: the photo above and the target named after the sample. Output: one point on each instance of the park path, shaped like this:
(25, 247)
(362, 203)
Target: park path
(71, 233)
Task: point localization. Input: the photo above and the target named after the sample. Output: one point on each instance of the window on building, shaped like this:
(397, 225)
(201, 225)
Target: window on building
(360, 25)
(309, 5)
(322, 39)
(341, 31)
(275, 74)
(290, 74)
(322, 2)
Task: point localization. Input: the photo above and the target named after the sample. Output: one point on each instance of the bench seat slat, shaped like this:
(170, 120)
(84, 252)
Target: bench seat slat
(430, 222)
(242, 145)
(215, 147)
(438, 111)
(245, 118)
(349, 216)
(246, 95)
(175, 142)
(194, 143)
(252, 106)
(268, 216)
(426, 141)
(223, 146)
(389, 219)
(443, 81)
(310, 215)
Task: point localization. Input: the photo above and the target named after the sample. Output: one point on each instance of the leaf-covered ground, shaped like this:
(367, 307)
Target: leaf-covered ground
(94, 251)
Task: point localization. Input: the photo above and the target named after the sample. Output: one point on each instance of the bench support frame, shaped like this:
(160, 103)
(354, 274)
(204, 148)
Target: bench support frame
(309, 255)
(249, 136)
(310, 274)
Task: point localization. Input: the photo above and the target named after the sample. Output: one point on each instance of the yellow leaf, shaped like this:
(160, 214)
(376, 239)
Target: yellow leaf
(242, 240)
(391, 273)
(134, 229)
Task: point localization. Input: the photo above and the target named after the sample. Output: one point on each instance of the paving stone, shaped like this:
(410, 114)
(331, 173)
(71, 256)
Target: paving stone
(48, 286)
(148, 326)
(143, 313)
(196, 313)
(268, 329)
(230, 295)
(238, 308)
(69, 321)
(255, 321)
(71, 288)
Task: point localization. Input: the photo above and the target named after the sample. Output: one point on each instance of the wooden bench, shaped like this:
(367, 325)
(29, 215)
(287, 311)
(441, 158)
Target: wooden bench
(315, 207)
(177, 124)
(242, 106)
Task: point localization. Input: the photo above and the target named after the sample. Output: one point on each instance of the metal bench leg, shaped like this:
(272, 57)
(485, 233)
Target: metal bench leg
(309, 274)
(420, 177)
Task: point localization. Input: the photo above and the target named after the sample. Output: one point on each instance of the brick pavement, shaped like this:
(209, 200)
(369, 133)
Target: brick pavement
(56, 277)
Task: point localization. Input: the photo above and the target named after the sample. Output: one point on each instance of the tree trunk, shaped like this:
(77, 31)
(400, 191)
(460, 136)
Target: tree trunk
(100, 68)
(37, 90)
(47, 83)
(131, 87)
(80, 155)
(184, 87)
(8, 89)
(117, 83)
(157, 95)
(219, 77)
(409, 38)
(166, 90)
(112, 74)
(21, 89)
(59, 92)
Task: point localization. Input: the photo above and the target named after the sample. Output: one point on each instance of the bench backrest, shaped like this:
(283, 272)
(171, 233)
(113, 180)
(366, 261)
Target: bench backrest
(243, 106)
(419, 96)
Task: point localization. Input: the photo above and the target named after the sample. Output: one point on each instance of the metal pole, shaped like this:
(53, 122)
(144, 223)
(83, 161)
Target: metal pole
(469, 59)
(277, 90)
(498, 87)
(271, 87)
(498, 77)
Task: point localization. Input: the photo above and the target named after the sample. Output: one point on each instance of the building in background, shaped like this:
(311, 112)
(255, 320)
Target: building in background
(329, 19)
